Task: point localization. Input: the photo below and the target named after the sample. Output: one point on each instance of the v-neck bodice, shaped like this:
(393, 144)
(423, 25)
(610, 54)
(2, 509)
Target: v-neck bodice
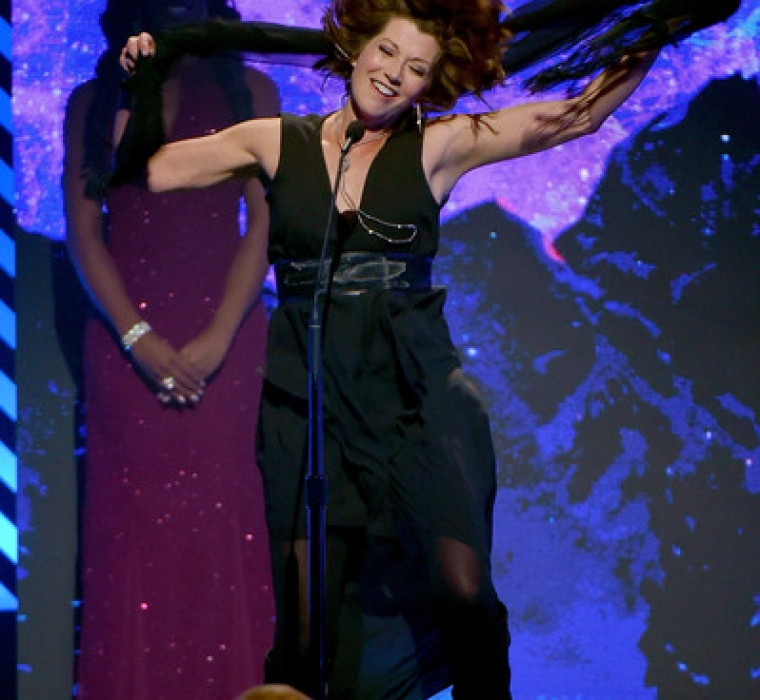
(349, 212)
(397, 211)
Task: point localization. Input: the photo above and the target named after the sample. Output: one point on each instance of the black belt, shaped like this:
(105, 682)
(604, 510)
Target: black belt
(356, 272)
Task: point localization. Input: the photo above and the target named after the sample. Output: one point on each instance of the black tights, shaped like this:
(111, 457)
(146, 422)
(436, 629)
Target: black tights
(472, 621)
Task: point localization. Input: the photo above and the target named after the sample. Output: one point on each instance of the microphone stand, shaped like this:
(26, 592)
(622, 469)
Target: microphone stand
(316, 480)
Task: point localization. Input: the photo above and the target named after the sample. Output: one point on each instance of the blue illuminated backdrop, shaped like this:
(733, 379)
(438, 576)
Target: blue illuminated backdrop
(606, 297)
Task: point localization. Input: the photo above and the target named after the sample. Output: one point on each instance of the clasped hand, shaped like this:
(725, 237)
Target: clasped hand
(179, 377)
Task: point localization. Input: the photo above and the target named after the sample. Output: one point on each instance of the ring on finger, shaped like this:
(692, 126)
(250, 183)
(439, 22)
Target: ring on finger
(168, 383)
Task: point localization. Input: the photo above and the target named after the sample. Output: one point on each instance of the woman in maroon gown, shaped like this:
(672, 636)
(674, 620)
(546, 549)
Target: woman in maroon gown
(176, 593)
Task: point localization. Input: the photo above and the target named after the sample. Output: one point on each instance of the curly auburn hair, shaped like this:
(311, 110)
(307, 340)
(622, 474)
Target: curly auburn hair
(469, 33)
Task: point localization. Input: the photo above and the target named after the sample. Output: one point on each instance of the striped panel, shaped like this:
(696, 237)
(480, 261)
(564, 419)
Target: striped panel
(8, 472)
(8, 461)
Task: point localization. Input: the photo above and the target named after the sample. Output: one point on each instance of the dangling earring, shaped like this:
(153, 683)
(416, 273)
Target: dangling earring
(418, 112)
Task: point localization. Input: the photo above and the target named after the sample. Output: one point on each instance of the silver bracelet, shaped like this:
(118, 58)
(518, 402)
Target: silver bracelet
(134, 334)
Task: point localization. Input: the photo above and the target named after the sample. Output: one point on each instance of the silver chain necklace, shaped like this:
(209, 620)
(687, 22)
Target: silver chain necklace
(367, 221)
(363, 218)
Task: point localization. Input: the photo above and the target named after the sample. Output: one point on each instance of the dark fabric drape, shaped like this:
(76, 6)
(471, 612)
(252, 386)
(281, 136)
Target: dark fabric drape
(145, 134)
(557, 42)
(574, 39)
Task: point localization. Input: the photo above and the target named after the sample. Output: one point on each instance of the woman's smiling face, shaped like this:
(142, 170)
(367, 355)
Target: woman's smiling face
(392, 72)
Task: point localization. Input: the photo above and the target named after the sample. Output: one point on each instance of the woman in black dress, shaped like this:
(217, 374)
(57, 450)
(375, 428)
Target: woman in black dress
(407, 441)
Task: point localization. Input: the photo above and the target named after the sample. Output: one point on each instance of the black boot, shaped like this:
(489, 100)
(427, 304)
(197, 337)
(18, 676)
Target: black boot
(478, 650)
(286, 669)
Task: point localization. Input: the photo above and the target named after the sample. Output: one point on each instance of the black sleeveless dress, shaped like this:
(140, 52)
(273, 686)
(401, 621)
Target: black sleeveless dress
(407, 440)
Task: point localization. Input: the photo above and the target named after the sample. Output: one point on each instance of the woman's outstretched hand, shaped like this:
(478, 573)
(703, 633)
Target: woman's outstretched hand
(142, 44)
(144, 131)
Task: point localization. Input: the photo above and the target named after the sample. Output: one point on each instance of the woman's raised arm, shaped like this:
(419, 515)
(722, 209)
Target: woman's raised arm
(207, 160)
(192, 163)
(457, 147)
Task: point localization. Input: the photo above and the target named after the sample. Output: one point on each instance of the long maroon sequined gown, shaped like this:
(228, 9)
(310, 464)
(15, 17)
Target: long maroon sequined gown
(176, 598)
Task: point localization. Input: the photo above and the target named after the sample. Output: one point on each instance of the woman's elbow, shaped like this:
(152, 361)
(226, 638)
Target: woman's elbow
(587, 120)
(166, 170)
(154, 184)
(592, 126)
(158, 179)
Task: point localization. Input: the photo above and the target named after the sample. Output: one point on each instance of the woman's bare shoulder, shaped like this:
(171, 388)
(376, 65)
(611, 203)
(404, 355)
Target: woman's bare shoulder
(81, 96)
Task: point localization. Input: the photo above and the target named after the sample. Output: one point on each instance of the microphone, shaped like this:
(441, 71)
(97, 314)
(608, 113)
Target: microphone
(316, 479)
(354, 133)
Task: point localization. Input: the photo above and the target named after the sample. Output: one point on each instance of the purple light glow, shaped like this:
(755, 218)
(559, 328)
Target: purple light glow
(549, 191)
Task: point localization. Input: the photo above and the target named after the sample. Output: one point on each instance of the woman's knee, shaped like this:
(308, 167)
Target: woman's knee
(462, 578)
